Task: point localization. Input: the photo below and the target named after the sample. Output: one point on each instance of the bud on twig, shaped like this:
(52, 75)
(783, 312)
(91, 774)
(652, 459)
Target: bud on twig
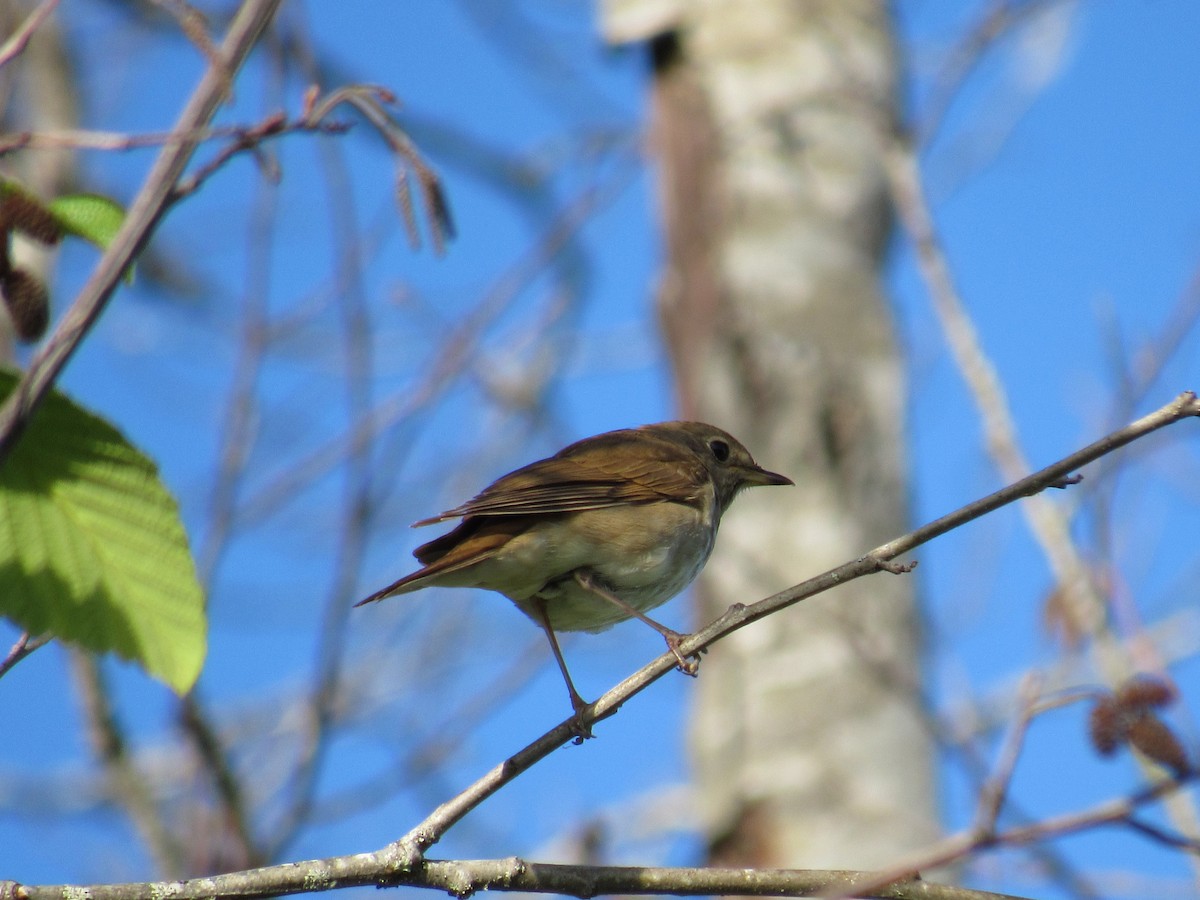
(28, 303)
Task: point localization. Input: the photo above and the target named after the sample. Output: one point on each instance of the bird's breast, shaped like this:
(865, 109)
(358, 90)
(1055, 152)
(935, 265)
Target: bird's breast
(645, 554)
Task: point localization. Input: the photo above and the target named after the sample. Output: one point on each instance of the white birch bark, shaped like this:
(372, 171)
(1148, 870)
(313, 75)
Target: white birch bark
(809, 746)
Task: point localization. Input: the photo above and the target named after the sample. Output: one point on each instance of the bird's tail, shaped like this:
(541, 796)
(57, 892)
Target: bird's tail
(403, 586)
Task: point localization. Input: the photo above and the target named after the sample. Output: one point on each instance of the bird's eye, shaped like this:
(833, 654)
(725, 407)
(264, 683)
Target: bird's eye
(720, 450)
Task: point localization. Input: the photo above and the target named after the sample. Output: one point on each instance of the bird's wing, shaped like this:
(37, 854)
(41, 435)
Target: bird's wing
(620, 467)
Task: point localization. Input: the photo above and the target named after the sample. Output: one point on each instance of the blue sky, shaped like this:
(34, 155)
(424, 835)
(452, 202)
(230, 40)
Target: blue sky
(1065, 184)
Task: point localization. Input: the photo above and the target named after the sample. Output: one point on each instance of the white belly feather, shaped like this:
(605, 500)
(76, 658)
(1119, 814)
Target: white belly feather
(632, 555)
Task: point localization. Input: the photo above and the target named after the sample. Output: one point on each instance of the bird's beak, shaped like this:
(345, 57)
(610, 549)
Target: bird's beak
(754, 476)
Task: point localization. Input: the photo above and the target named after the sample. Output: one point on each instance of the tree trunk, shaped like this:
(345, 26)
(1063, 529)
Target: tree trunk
(809, 745)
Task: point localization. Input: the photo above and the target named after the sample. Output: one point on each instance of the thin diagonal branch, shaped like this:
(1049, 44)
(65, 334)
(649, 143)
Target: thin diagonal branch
(126, 783)
(998, 21)
(358, 363)
(197, 726)
(146, 211)
(995, 789)
(19, 39)
(21, 648)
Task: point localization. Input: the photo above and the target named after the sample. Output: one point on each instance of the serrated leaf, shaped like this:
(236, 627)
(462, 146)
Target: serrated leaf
(90, 216)
(92, 549)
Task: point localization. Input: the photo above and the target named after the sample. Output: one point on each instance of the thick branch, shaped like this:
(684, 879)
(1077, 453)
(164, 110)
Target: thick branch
(462, 878)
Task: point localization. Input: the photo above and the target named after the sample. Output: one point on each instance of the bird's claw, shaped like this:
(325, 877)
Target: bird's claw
(581, 727)
(687, 665)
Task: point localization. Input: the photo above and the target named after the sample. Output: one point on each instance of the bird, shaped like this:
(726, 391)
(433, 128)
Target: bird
(602, 531)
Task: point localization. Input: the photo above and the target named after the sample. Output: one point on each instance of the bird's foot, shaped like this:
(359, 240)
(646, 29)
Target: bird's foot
(687, 665)
(581, 722)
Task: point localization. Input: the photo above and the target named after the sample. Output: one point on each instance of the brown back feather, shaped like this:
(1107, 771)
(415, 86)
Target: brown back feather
(608, 470)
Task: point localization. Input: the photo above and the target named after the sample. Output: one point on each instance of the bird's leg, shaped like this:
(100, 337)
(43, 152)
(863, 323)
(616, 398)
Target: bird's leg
(577, 703)
(673, 638)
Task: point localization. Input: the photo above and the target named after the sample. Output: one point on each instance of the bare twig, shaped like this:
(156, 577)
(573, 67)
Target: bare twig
(358, 363)
(1113, 812)
(242, 412)
(1149, 360)
(369, 100)
(125, 783)
(453, 356)
(959, 846)
(1177, 637)
(1136, 377)
(445, 737)
(1082, 599)
(244, 137)
(999, 20)
(21, 648)
(143, 217)
(197, 725)
(980, 375)
(193, 25)
(995, 789)
(960, 744)
(16, 43)
(1161, 835)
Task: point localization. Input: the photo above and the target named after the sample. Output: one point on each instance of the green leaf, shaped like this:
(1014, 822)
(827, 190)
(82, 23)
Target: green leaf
(92, 217)
(92, 549)
(89, 216)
